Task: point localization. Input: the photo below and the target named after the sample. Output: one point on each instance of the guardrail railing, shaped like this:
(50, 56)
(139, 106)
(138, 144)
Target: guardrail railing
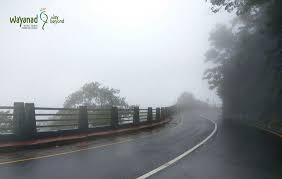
(25, 121)
(125, 116)
(53, 119)
(6, 119)
(99, 117)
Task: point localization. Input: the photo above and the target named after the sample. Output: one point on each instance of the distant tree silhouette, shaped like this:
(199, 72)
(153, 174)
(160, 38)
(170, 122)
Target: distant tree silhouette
(187, 101)
(95, 95)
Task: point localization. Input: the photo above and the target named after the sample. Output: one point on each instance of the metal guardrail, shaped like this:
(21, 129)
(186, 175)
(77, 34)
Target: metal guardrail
(99, 117)
(154, 112)
(6, 107)
(143, 115)
(24, 120)
(125, 116)
(53, 119)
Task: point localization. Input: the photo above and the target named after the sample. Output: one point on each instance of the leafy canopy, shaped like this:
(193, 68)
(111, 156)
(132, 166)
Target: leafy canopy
(95, 95)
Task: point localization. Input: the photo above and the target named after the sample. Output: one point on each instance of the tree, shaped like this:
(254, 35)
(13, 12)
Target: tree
(187, 101)
(262, 16)
(246, 58)
(92, 95)
(95, 95)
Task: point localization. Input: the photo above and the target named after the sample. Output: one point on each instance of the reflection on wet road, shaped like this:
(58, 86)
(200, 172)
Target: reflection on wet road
(235, 152)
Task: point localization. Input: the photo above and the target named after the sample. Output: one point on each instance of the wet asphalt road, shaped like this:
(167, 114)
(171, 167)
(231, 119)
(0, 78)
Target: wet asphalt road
(125, 160)
(236, 152)
(225, 156)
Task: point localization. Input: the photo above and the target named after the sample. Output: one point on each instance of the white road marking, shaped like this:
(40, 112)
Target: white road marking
(146, 175)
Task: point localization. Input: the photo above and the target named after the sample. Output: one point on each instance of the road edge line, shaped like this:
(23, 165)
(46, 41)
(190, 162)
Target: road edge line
(171, 162)
(273, 132)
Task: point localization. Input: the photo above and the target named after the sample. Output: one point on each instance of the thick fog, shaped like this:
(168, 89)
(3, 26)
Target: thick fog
(152, 50)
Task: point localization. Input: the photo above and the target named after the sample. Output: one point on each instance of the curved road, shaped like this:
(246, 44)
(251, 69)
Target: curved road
(136, 154)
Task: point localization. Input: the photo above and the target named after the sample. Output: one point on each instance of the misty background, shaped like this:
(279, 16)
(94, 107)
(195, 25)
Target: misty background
(152, 50)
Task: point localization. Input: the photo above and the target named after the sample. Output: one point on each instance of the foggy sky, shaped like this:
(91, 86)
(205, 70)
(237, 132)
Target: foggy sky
(152, 50)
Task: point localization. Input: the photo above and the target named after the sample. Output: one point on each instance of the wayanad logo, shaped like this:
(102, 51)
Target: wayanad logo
(33, 22)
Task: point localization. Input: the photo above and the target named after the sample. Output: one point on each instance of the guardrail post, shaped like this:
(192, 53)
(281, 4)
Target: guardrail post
(136, 118)
(18, 119)
(30, 121)
(158, 114)
(150, 115)
(114, 117)
(162, 113)
(166, 112)
(83, 118)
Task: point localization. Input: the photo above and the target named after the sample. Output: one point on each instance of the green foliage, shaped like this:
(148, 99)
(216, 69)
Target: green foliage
(95, 95)
(222, 46)
(246, 58)
(240, 6)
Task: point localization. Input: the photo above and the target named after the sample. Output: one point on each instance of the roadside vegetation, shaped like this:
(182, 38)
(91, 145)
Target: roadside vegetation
(187, 102)
(246, 61)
